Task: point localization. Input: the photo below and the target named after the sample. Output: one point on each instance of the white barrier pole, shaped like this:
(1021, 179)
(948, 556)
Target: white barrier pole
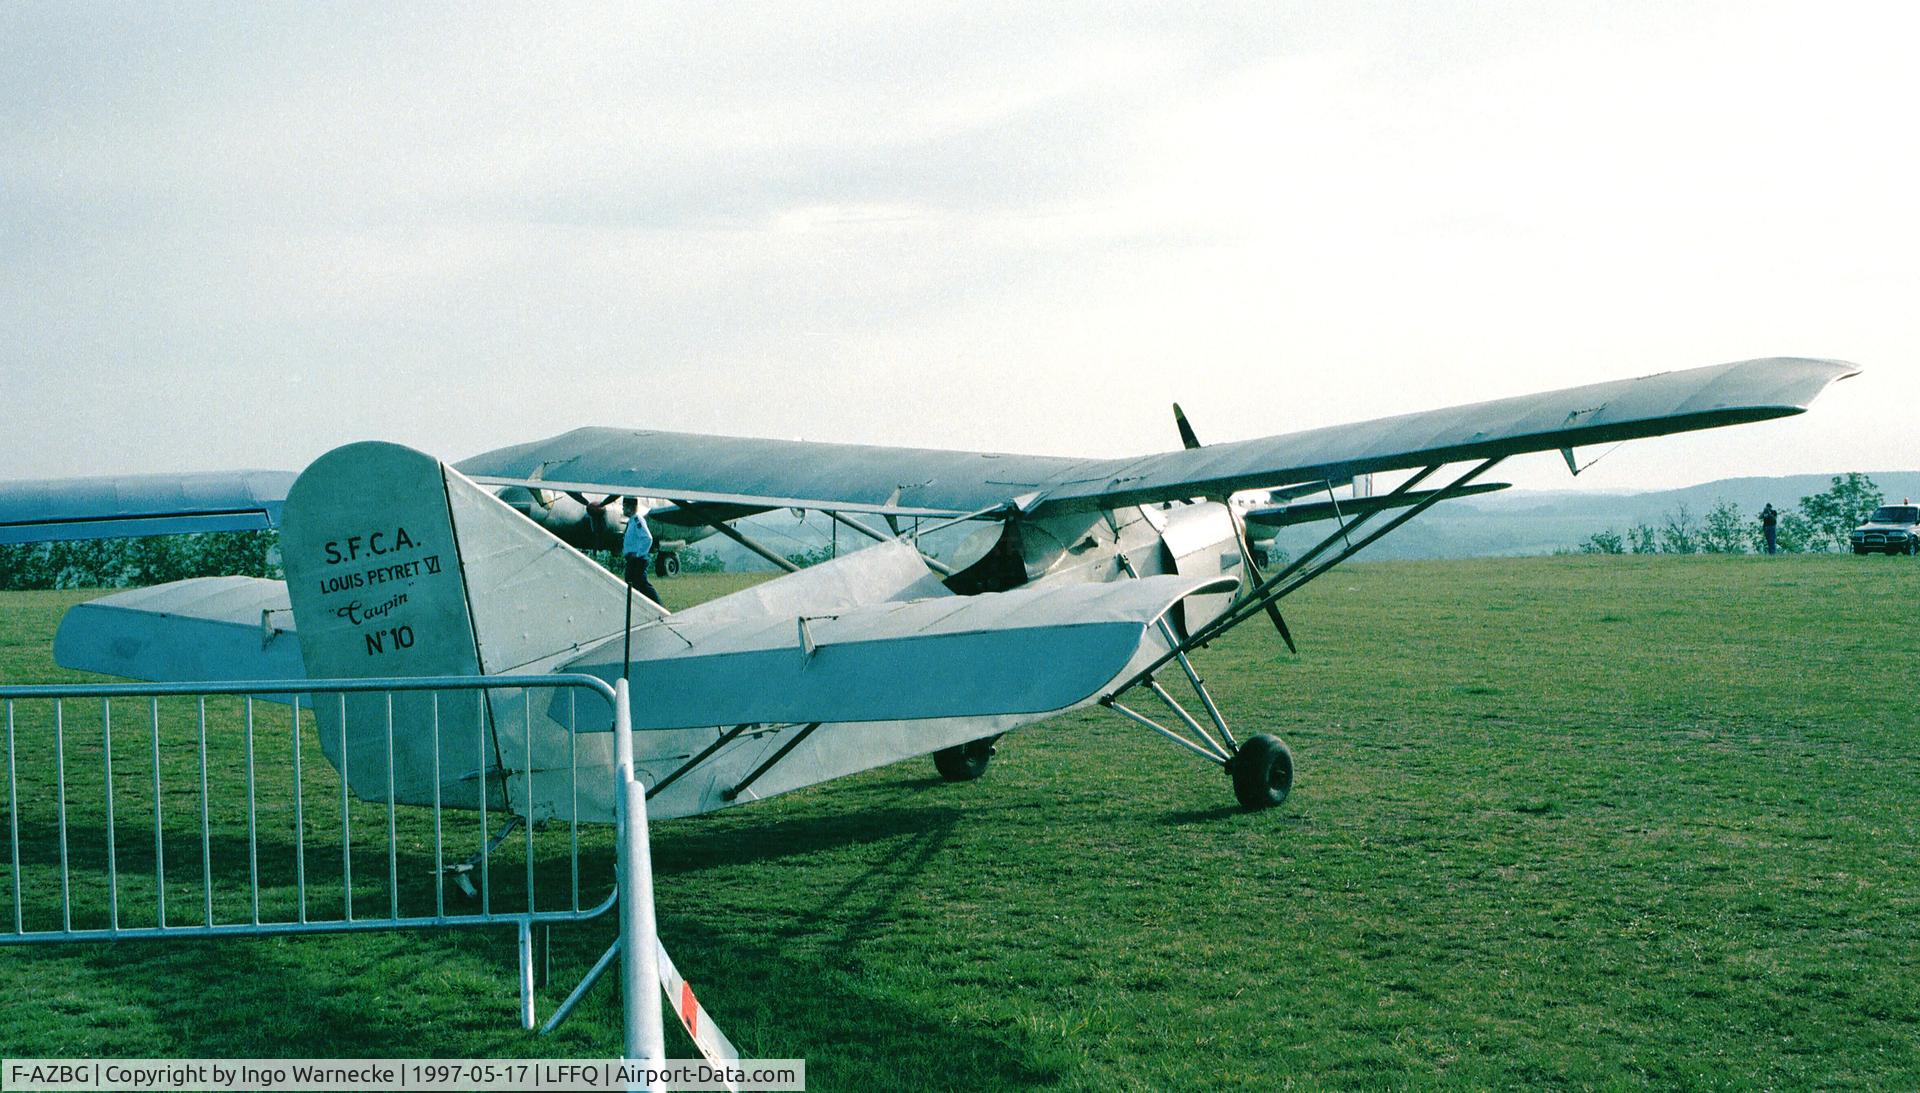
(639, 972)
(622, 733)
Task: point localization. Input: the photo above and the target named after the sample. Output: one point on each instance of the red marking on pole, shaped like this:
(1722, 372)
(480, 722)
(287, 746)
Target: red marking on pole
(689, 1008)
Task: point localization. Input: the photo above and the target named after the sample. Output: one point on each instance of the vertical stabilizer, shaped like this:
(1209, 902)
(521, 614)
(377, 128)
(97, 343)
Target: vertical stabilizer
(373, 567)
(398, 565)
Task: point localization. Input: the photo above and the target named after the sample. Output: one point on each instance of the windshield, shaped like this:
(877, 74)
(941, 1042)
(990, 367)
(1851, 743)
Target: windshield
(1895, 514)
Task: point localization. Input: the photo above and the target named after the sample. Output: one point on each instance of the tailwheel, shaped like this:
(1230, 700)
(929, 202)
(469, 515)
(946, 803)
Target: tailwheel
(965, 762)
(1262, 772)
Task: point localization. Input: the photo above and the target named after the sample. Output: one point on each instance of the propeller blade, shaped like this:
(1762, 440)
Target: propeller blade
(1187, 436)
(1253, 570)
(1280, 624)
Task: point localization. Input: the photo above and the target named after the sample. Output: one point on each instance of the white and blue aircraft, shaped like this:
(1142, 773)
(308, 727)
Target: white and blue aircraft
(1092, 579)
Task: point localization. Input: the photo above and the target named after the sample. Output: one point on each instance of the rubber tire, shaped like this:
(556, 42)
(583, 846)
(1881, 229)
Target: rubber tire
(965, 762)
(1262, 772)
(1859, 550)
(667, 565)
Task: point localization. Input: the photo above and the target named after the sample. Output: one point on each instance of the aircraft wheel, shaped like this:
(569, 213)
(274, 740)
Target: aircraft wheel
(1262, 772)
(667, 565)
(965, 762)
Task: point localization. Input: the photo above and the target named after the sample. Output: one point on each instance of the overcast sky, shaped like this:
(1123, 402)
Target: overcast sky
(239, 236)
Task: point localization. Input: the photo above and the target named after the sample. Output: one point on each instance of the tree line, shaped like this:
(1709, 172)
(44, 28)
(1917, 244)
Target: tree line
(1818, 525)
(156, 559)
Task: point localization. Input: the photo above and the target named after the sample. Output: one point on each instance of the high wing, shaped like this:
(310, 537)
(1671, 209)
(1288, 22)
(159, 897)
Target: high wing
(927, 482)
(131, 506)
(762, 473)
(717, 478)
(143, 504)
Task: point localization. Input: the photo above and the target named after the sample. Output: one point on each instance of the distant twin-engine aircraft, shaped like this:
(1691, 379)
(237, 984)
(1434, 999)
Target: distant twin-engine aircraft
(1091, 579)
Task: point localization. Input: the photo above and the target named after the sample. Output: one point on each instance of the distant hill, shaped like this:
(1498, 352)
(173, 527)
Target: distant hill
(1513, 522)
(1541, 521)
(1748, 493)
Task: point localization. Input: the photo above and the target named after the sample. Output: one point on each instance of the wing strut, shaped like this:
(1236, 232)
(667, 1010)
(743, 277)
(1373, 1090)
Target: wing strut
(792, 743)
(1338, 517)
(706, 753)
(1017, 504)
(1451, 489)
(1291, 578)
(750, 543)
(841, 518)
(1251, 764)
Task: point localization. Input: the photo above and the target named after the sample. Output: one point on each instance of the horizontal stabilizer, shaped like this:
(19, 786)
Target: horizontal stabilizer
(145, 504)
(1279, 516)
(197, 631)
(1025, 651)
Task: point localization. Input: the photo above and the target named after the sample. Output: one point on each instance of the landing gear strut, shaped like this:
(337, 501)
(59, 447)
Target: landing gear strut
(1261, 768)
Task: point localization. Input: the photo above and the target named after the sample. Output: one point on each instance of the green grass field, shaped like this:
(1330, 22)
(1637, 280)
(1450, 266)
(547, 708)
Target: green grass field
(1559, 822)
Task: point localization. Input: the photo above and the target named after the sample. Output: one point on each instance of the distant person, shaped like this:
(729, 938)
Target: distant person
(1770, 526)
(637, 546)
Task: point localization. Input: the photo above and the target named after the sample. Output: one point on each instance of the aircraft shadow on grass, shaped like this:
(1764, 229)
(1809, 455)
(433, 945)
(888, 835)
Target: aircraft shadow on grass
(276, 1001)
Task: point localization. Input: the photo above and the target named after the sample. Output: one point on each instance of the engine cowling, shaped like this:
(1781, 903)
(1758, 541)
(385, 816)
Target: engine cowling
(1191, 538)
(1199, 540)
(570, 521)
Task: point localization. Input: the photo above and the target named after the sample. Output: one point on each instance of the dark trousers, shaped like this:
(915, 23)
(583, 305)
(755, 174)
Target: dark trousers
(1772, 542)
(637, 577)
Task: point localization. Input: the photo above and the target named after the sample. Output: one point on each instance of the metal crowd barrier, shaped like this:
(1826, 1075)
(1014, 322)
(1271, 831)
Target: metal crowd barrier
(317, 857)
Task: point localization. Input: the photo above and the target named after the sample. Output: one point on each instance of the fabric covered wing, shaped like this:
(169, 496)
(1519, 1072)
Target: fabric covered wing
(775, 473)
(145, 504)
(1026, 651)
(1601, 413)
(912, 481)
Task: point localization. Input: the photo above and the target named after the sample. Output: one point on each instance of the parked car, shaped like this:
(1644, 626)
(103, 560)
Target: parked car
(1894, 529)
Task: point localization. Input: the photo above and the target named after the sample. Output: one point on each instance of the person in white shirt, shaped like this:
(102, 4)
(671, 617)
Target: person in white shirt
(637, 546)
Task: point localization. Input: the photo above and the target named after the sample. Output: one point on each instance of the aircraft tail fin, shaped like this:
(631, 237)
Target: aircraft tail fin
(398, 565)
